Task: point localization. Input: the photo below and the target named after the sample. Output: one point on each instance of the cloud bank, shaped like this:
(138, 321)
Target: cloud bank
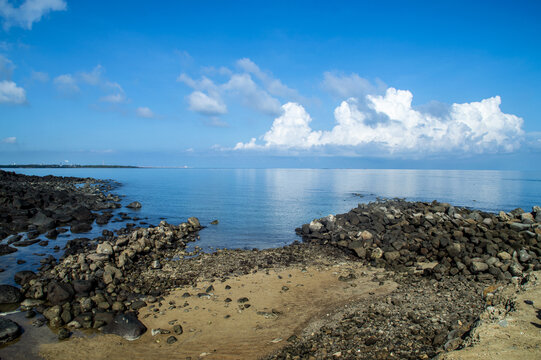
(387, 124)
(28, 12)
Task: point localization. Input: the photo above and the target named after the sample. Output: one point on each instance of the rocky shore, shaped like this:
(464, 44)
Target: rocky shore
(390, 279)
(49, 205)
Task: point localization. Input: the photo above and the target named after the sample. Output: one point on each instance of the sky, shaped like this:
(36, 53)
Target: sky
(394, 84)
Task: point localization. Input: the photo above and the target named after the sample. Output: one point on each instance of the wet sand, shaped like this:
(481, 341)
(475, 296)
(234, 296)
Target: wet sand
(282, 303)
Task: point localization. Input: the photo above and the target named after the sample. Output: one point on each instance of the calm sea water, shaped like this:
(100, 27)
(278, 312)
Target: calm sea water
(262, 207)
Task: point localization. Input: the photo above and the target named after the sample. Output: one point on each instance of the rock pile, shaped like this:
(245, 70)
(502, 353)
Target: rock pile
(398, 235)
(39, 205)
(91, 286)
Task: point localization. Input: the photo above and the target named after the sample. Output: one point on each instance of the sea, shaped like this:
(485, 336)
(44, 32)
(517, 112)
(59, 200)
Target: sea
(260, 208)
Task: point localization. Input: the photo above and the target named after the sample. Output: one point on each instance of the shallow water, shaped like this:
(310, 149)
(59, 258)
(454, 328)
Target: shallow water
(262, 207)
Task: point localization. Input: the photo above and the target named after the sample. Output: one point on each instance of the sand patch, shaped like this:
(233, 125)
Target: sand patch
(280, 303)
(517, 336)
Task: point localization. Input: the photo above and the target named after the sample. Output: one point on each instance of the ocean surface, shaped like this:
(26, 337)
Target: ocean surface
(260, 208)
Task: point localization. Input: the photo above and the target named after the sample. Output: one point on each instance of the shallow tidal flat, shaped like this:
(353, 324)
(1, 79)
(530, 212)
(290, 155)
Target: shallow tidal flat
(389, 279)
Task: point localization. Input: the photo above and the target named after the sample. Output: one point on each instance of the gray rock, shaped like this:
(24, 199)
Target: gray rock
(519, 226)
(10, 294)
(515, 269)
(478, 266)
(126, 326)
(315, 226)
(523, 256)
(391, 256)
(134, 205)
(104, 248)
(9, 330)
(22, 277)
(454, 249)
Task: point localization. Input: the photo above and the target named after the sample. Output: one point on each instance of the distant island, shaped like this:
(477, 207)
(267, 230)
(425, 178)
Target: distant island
(52, 166)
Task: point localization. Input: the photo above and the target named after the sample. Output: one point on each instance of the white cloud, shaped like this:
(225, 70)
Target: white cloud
(390, 124)
(272, 85)
(66, 83)
(28, 12)
(9, 140)
(346, 86)
(10, 93)
(251, 95)
(205, 104)
(254, 92)
(6, 68)
(145, 112)
(40, 76)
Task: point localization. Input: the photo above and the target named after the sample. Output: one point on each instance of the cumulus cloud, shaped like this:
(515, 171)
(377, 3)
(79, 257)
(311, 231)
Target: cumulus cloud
(399, 128)
(145, 112)
(9, 140)
(10, 93)
(253, 87)
(28, 12)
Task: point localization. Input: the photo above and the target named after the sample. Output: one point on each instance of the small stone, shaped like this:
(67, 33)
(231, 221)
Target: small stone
(171, 340)
(243, 300)
(177, 329)
(63, 334)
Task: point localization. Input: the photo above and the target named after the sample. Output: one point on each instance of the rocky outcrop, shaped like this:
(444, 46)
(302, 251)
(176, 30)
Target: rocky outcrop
(403, 235)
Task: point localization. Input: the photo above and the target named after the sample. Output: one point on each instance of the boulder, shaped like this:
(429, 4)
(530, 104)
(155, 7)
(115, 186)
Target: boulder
(104, 248)
(125, 325)
(194, 222)
(10, 294)
(82, 214)
(134, 205)
(9, 330)
(478, 266)
(315, 226)
(6, 249)
(59, 293)
(80, 228)
(22, 277)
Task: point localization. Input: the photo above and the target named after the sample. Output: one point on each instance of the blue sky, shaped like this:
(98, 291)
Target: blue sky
(278, 84)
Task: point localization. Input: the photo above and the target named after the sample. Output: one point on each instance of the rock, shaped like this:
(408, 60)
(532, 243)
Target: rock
(515, 269)
(478, 266)
(82, 214)
(391, 256)
(80, 228)
(194, 222)
(83, 286)
(6, 249)
(524, 257)
(9, 330)
(454, 249)
(53, 312)
(315, 226)
(59, 293)
(104, 248)
(134, 205)
(10, 294)
(125, 325)
(22, 277)
(177, 329)
(377, 253)
(63, 334)
(504, 255)
(366, 235)
(171, 339)
(214, 222)
(156, 265)
(519, 227)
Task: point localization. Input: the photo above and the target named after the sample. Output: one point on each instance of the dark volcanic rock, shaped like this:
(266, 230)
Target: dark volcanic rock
(22, 277)
(9, 330)
(80, 228)
(6, 249)
(10, 294)
(125, 325)
(58, 293)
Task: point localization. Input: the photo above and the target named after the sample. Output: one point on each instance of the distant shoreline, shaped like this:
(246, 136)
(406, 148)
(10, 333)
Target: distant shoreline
(35, 166)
